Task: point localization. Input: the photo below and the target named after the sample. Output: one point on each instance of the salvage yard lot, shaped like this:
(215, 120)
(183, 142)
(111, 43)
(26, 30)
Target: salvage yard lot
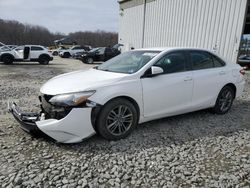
(198, 148)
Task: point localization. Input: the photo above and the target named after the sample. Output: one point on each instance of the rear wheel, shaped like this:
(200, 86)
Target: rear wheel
(117, 119)
(55, 53)
(44, 60)
(7, 59)
(224, 101)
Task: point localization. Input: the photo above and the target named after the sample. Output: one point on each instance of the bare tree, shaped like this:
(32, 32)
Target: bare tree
(14, 32)
(95, 39)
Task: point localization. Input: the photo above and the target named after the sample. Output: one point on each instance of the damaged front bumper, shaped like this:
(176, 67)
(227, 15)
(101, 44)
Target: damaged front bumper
(26, 120)
(73, 128)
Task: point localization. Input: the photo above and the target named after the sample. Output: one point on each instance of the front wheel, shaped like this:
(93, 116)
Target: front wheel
(66, 55)
(224, 101)
(7, 59)
(90, 60)
(117, 119)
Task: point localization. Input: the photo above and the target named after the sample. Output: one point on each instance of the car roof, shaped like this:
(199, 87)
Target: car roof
(30, 45)
(165, 49)
(37, 45)
(168, 49)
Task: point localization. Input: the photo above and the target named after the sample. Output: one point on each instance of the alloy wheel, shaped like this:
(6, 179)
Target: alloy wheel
(225, 100)
(119, 120)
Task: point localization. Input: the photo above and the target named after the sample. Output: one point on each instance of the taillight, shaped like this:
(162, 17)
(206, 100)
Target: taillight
(242, 71)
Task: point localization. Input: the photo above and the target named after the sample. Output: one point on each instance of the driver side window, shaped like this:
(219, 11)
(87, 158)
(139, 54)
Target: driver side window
(173, 62)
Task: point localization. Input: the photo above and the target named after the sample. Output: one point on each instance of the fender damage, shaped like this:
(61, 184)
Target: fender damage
(69, 126)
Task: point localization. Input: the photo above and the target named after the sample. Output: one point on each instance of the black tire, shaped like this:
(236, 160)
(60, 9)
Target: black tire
(7, 59)
(44, 60)
(89, 60)
(224, 100)
(117, 119)
(66, 55)
(55, 53)
(83, 60)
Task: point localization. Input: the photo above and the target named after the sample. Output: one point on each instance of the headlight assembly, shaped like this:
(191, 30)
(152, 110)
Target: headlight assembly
(71, 99)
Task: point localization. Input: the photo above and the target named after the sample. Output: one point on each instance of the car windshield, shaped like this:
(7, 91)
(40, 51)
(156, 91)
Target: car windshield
(5, 48)
(63, 48)
(128, 62)
(101, 51)
(94, 49)
(19, 48)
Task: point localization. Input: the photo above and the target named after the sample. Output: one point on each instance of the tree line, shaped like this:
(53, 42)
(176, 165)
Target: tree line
(14, 32)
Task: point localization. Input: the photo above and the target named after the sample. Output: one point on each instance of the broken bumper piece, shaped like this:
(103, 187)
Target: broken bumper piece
(26, 120)
(73, 128)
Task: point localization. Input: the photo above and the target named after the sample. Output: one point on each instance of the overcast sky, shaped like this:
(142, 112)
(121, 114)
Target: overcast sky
(63, 15)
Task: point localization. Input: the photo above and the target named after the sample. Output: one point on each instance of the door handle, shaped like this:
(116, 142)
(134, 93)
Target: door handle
(188, 79)
(222, 73)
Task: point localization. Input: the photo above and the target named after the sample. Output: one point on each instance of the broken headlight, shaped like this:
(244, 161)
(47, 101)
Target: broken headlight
(71, 99)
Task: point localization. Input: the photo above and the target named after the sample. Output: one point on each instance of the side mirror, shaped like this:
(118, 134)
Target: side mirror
(156, 70)
(153, 71)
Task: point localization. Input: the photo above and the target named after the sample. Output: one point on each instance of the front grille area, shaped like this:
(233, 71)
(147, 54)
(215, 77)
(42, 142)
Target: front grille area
(51, 111)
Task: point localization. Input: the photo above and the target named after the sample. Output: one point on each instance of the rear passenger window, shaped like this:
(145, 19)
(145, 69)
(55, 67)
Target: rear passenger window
(218, 62)
(201, 60)
(108, 50)
(78, 48)
(171, 63)
(36, 48)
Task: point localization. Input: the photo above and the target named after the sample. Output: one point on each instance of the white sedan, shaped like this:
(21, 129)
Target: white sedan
(66, 53)
(134, 87)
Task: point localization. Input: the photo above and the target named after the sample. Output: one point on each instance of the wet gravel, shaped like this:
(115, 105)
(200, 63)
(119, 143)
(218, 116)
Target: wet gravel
(198, 149)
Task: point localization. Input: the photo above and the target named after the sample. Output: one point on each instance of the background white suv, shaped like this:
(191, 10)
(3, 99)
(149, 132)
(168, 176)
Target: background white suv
(70, 52)
(26, 53)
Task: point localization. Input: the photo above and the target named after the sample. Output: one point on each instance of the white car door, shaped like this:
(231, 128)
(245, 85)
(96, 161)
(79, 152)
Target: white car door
(19, 52)
(210, 75)
(171, 92)
(35, 52)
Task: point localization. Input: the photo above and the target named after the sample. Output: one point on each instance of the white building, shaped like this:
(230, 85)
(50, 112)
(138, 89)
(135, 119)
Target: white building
(216, 25)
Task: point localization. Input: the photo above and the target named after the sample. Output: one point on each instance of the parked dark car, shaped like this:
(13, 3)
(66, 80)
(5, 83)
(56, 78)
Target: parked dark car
(99, 54)
(78, 55)
(244, 61)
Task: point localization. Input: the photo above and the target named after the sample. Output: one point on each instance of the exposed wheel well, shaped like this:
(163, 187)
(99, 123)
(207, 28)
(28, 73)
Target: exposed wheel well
(95, 111)
(233, 87)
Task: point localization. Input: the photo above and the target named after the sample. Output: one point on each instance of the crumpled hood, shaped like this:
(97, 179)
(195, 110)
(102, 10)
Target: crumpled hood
(83, 80)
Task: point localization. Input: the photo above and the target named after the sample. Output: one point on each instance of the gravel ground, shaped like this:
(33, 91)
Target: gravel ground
(199, 149)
